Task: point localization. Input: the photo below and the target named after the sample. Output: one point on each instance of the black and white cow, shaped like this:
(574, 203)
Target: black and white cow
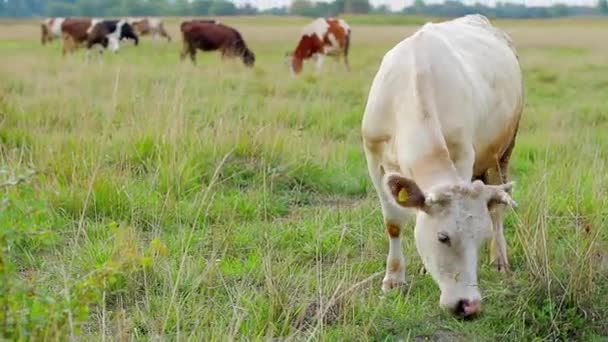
(90, 32)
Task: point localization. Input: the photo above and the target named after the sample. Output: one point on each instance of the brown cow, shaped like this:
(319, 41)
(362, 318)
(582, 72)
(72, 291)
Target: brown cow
(149, 26)
(322, 37)
(89, 32)
(210, 36)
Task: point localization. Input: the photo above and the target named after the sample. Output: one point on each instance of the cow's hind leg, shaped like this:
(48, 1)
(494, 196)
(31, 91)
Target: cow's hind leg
(192, 53)
(189, 50)
(45, 34)
(393, 217)
(164, 33)
(184, 51)
(494, 176)
(66, 47)
(69, 45)
(346, 64)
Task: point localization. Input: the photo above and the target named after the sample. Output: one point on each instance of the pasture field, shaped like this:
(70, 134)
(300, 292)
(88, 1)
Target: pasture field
(157, 200)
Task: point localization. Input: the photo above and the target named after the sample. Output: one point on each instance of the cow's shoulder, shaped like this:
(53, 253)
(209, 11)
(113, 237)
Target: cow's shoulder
(317, 27)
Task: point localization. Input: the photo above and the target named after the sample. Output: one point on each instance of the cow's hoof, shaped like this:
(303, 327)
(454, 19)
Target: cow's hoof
(502, 267)
(389, 283)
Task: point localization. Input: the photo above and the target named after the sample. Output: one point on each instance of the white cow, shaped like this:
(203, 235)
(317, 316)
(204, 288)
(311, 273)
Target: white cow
(440, 121)
(149, 26)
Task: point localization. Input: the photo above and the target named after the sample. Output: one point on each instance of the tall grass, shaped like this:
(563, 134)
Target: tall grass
(143, 198)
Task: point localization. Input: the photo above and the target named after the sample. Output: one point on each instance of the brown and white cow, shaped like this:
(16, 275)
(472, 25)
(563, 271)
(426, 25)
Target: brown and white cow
(149, 26)
(438, 131)
(51, 29)
(322, 37)
(90, 32)
(211, 36)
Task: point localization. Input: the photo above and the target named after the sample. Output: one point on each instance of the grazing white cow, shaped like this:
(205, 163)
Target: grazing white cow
(439, 127)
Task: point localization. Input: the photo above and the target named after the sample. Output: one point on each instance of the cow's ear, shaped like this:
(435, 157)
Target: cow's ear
(405, 192)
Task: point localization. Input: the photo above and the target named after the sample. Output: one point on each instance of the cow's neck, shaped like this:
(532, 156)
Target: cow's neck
(434, 169)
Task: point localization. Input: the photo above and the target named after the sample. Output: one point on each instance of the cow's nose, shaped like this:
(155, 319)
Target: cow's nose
(467, 308)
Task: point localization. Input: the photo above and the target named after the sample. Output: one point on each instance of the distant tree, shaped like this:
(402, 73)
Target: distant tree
(419, 6)
(382, 9)
(325, 9)
(248, 9)
(222, 7)
(181, 7)
(558, 10)
(92, 8)
(22, 8)
(311, 8)
(276, 11)
(602, 6)
(301, 7)
(357, 6)
(199, 7)
(338, 6)
(61, 9)
(308, 9)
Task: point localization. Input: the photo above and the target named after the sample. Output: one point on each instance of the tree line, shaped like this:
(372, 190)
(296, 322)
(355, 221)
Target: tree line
(450, 8)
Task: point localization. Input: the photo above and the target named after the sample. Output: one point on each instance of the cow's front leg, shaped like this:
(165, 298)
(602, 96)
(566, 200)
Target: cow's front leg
(393, 217)
(395, 262)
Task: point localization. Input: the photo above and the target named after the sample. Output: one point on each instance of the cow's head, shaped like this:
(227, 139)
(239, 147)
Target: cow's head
(294, 62)
(127, 32)
(452, 222)
(248, 57)
(288, 56)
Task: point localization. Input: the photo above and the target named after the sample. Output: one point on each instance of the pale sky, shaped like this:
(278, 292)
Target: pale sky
(399, 4)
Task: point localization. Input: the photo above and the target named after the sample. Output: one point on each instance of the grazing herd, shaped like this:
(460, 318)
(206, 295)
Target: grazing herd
(438, 130)
(322, 37)
(91, 32)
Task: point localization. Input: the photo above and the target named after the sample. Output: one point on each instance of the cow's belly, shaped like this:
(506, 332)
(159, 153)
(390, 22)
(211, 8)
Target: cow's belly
(331, 49)
(489, 151)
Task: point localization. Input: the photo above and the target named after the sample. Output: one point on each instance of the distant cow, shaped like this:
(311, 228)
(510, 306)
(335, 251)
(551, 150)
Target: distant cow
(51, 29)
(149, 26)
(322, 37)
(90, 32)
(210, 36)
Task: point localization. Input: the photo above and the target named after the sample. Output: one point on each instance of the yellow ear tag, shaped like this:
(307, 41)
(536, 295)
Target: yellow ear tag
(402, 197)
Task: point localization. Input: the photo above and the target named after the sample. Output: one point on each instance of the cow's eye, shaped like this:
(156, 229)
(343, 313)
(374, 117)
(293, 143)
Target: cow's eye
(443, 238)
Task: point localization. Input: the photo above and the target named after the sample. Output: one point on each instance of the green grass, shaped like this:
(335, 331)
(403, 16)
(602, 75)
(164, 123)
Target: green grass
(160, 200)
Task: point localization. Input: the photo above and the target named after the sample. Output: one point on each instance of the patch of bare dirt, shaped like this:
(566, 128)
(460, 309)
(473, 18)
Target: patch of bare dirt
(315, 312)
(442, 335)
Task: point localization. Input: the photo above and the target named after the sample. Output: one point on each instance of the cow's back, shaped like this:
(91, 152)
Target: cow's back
(209, 36)
(77, 28)
(454, 85)
(475, 66)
